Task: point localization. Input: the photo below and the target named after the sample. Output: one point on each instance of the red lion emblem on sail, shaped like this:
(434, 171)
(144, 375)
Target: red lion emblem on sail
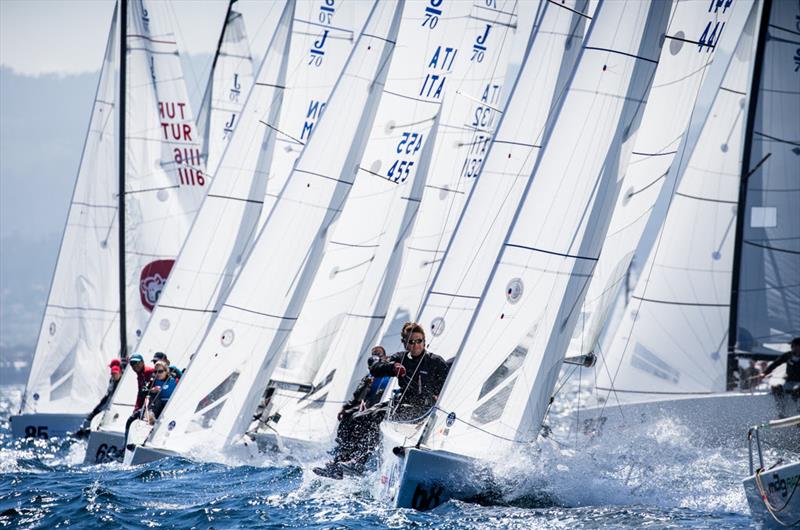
(152, 280)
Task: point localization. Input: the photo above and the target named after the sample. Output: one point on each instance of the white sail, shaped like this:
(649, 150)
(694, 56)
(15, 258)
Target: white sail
(164, 184)
(80, 327)
(686, 281)
(324, 33)
(767, 312)
(230, 83)
(499, 387)
(682, 77)
(164, 180)
(350, 302)
(225, 227)
(218, 394)
(470, 115)
(454, 290)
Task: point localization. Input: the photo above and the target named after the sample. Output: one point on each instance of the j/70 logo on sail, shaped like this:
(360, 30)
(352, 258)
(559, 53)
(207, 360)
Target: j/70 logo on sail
(152, 279)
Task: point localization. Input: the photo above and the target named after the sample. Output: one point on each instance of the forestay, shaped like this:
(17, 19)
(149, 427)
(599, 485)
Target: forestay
(673, 335)
(768, 287)
(683, 71)
(214, 402)
(230, 83)
(502, 379)
(80, 327)
(454, 292)
(224, 229)
(430, 66)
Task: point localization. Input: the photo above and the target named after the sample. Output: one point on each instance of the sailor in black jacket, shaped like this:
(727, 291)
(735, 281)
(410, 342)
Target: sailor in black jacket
(420, 374)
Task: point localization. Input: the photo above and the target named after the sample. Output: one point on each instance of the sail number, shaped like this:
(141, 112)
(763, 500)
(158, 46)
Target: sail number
(713, 30)
(176, 128)
(326, 11)
(317, 51)
(432, 14)
(482, 125)
(106, 453)
(479, 47)
(427, 497)
(32, 431)
(410, 143)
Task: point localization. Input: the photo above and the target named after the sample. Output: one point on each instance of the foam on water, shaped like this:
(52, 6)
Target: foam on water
(648, 478)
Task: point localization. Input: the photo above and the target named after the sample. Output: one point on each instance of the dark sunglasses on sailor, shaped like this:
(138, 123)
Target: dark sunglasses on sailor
(411, 342)
(161, 371)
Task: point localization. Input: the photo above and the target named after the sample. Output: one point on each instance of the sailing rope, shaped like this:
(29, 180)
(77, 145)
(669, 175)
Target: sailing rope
(465, 422)
(773, 511)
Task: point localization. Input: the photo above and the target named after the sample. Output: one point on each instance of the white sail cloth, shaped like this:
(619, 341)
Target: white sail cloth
(80, 327)
(223, 231)
(217, 396)
(324, 33)
(500, 384)
(164, 184)
(230, 83)
(164, 176)
(686, 281)
(454, 292)
(349, 304)
(470, 114)
(680, 78)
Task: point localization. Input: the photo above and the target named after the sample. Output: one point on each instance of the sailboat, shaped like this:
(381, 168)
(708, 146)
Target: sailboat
(348, 299)
(254, 166)
(212, 406)
(138, 188)
(772, 492)
(499, 388)
(224, 220)
(719, 289)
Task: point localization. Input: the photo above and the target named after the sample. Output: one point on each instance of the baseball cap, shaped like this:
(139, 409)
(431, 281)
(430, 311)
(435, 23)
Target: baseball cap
(136, 358)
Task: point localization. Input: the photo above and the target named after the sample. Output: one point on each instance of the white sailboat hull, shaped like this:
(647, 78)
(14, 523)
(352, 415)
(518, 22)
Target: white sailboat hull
(104, 446)
(712, 419)
(781, 485)
(44, 425)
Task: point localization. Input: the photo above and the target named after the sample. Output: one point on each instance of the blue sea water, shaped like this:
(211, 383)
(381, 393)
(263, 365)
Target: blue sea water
(657, 480)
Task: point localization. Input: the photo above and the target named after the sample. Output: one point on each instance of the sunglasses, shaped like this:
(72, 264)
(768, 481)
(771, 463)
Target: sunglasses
(415, 341)
(161, 371)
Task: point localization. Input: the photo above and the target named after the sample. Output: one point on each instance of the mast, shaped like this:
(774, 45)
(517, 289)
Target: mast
(221, 37)
(741, 211)
(123, 332)
(207, 95)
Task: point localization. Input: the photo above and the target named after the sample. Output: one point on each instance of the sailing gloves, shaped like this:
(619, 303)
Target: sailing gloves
(399, 370)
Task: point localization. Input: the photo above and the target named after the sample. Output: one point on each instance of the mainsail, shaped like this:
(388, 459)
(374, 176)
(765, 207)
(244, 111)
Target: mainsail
(363, 258)
(228, 86)
(224, 229)
(765, 310)
(80, 327)
(165, 180)
(164, 184)
(455, 288)
(214, 402)
(662, 144)
(499, 387)
(686, 282)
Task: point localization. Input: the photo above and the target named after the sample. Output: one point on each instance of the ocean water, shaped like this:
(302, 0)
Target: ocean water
(652, 479)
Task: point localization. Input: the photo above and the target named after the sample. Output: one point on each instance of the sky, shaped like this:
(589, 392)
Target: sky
(68, 37)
